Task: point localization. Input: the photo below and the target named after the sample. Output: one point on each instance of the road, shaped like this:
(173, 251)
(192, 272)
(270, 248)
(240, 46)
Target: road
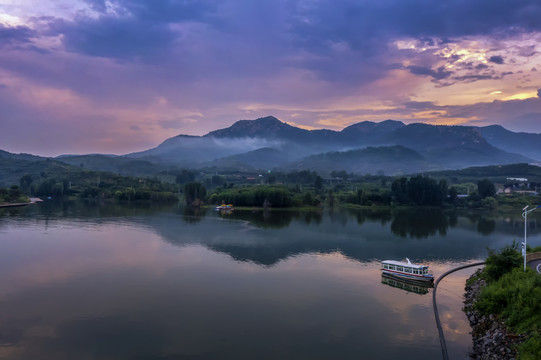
(536, 265)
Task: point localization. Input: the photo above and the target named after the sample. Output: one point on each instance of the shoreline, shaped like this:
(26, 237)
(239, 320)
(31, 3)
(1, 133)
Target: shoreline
(490, 337)
(32, 201)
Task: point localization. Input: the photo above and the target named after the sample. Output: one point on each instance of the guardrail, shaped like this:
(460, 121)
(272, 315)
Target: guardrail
(435, 304)
(533, 256)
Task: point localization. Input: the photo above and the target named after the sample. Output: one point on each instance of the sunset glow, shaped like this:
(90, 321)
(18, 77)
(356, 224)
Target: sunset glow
(116, 76)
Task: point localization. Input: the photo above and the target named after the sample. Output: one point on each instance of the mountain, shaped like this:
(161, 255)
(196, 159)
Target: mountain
(260, 159)
(427, 137)
(13, 168)
(115, 164)
(522, 143)
(366, 147)
(267, 127)
(369, 131)
(442, 147)
(22, 156)
(391, 160)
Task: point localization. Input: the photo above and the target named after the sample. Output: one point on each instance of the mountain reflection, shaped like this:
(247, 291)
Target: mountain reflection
(419, 222)
(268, 237)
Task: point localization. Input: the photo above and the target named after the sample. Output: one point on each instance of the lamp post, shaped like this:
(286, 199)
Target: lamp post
(525, 216)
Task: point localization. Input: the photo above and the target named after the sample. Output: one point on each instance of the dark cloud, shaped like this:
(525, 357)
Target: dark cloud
(97, 5)
(141, 29)
(115, 38)
(496, 59)
(420, 105)
(15, 35)
(438, 74)
(365, 24)
(169, 11)
(346, 41)
(475, 77)
(539, 93)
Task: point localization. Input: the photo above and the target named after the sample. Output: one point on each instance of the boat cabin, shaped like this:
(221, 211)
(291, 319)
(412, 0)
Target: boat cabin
(406, 270)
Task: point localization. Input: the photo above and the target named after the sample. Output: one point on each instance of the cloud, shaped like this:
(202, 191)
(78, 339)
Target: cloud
(438, 74)
(496, 59)
(539, 93)
(97, 5)
(115, 38)
(134, 30)
(15, 35)
(330, 62)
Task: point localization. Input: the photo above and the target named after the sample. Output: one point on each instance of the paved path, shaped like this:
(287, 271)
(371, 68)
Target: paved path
(536, 265)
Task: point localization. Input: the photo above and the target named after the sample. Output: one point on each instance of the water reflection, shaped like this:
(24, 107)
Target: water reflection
(194, 215)
(419, 222)
(99, 281)
(421, 289)
(268, 237)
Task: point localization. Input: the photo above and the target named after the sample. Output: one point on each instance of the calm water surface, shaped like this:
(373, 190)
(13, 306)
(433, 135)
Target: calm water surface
(91, 281)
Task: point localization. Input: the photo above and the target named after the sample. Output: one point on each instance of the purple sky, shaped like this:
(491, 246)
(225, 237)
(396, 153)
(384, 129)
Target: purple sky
(89, 76)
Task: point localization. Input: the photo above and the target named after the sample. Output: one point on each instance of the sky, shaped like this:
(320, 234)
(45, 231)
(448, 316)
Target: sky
(118, 76)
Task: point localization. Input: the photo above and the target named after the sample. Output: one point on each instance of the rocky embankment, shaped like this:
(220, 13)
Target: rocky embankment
(491, 339)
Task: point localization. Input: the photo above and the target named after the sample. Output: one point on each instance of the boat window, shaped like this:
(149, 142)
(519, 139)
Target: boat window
(391, 267)
(408, 270)
(385, 266)
(399, 268)
(415, 271)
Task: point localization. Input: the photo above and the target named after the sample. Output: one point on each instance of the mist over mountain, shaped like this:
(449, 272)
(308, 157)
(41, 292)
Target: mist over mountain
(435, 147)
(390, 160)
(264, 158)
(521, 143)
(267, 143)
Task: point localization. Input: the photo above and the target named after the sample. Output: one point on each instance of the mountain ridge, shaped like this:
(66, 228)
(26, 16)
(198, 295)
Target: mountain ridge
(267, 143)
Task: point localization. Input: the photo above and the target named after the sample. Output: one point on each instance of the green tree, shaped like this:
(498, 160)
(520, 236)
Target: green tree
(486, 188)
(271, 179)
(399, 189)
(502, 262)
(318, 183)
(453, 195)
(185, 176)
(217, 180)
(194, 191)
(26, 182)
(308, 199)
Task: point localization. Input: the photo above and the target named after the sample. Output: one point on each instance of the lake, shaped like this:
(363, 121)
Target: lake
(106, 281)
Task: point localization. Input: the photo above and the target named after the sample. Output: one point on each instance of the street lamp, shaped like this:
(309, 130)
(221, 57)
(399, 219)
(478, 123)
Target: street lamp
(525, 216)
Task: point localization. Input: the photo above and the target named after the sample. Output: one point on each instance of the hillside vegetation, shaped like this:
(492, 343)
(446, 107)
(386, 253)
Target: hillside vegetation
(513, 295)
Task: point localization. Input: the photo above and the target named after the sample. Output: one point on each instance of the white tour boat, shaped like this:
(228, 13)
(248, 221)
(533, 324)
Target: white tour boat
(406, 270)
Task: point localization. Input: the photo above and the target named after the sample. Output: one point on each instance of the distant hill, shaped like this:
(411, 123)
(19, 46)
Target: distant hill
(27, 157)
(521, 143)
(13, 168)
(267, 127)
(260, 159)
(391, 160)
(370, 132)
(366, 147)
(495, 173)
(442, 147)
(116, 164)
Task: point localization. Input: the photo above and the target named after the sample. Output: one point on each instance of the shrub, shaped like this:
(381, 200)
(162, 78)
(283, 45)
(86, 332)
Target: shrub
(501, 262)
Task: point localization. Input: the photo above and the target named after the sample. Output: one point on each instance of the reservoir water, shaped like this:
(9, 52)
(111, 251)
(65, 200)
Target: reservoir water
(102, 281)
